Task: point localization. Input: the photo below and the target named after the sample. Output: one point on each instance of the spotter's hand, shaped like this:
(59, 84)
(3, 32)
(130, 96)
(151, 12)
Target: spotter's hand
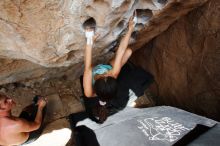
(42, 102)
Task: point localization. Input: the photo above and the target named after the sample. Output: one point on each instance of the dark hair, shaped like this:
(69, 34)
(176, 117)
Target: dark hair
(100, 112)
(106, 88)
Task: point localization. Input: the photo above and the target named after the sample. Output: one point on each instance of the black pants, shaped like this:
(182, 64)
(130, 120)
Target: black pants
(29, 113)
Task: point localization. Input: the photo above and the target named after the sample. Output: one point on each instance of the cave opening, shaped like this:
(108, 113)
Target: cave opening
(143, 15)
(89, 23)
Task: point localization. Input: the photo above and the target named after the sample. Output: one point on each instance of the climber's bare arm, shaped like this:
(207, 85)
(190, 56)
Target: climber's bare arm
(121, 50)
(22, 125)
(87, 77)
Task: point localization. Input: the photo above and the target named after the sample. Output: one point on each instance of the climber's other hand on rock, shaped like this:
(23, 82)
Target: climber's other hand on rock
(131, 24)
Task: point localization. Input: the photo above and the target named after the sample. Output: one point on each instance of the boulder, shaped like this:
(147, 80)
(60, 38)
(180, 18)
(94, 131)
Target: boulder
(50, 33)
(185, 61)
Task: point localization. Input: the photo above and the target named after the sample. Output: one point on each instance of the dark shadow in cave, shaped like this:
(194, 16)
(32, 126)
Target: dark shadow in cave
(89, 23)
(143, 15)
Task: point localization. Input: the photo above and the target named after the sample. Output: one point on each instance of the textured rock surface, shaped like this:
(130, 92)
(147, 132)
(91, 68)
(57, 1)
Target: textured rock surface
(49, 33)
(185, 61)
(22, 70)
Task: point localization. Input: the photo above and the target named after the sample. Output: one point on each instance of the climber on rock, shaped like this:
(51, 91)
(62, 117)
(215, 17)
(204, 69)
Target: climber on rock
(101, 80)
(23, 129)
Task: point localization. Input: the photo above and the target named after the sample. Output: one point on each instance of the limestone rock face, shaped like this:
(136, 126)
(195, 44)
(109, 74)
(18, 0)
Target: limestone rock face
(46, 39)
(13, 70)
(22, 70)
(185, 61)
(50, 32)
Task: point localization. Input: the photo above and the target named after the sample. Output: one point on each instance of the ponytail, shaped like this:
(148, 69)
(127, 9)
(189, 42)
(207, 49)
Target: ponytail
(101, 112)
